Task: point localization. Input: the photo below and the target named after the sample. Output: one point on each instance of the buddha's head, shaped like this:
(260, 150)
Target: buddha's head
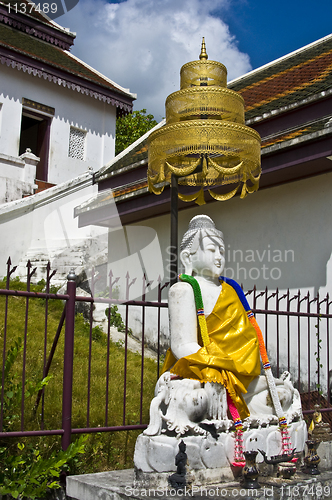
(202, 248)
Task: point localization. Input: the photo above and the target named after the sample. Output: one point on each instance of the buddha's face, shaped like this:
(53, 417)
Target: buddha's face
(209, 259)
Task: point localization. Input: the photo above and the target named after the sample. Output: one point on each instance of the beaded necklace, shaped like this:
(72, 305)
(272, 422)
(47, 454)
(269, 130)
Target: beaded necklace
(199, 306)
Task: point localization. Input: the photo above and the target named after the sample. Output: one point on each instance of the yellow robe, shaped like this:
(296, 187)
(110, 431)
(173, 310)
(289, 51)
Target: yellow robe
(231, 358)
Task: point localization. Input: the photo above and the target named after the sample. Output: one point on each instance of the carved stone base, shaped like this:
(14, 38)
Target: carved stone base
(157, 453)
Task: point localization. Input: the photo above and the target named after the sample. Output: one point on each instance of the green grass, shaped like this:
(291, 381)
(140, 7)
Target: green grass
(104, 451)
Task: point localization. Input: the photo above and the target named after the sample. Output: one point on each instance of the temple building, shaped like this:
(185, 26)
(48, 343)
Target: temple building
(57, 114)
(280, 236)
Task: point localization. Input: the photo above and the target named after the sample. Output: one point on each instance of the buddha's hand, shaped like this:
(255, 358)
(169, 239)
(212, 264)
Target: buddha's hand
(217, 407)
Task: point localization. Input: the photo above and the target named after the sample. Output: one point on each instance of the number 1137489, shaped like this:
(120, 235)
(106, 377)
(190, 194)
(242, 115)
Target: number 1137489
(31, 7)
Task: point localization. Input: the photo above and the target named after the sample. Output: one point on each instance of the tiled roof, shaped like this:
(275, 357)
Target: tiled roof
(130, 188)
(280, 84)
(24, 16)
(37, 45)
(43, 52)
(18, 5)
(295, 77)
(289, 102)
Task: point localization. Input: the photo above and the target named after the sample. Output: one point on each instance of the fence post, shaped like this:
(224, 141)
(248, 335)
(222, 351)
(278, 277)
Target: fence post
(68, 361)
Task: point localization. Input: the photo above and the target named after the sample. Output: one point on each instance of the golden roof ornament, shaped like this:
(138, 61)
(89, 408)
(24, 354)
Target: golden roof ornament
(205, 142)
(203, 54)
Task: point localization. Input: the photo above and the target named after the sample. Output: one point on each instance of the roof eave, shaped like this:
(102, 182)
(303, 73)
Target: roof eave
(116, 86)
(50, 31)
(294, 105)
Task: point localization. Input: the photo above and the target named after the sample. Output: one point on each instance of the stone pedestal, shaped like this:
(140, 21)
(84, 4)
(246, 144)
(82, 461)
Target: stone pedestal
(121, 485)
(208, 458)
(324, 451)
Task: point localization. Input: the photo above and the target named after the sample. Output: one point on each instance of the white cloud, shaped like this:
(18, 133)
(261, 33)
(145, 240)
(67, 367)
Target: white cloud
(142, 44)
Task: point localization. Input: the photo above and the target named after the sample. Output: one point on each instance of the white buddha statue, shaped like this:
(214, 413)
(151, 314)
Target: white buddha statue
(229, 356)
(211, 379)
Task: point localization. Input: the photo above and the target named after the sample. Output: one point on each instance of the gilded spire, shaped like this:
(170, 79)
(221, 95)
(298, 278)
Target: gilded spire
(205, 141)
(203, 54)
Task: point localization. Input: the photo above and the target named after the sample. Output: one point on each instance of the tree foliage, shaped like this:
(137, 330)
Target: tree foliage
(131, 127)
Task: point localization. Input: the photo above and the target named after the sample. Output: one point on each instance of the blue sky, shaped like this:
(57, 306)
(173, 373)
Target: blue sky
(142, 44)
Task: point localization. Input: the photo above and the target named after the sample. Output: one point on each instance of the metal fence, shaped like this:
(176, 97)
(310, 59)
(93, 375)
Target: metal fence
(67, 318)
(296, 328)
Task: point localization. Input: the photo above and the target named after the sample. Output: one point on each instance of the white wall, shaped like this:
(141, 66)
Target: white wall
(43, 228)
(71, 109)
(287, 229)
(11, 111)
(86, 113)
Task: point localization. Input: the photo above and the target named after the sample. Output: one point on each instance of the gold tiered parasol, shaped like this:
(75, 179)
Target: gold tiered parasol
(205, 142)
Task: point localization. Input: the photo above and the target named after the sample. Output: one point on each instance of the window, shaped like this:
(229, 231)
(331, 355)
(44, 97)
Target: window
(0, 116)
(35, 133)
(77, 143)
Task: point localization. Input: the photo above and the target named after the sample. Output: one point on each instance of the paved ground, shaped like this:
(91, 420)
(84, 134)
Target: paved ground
(120, 485)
